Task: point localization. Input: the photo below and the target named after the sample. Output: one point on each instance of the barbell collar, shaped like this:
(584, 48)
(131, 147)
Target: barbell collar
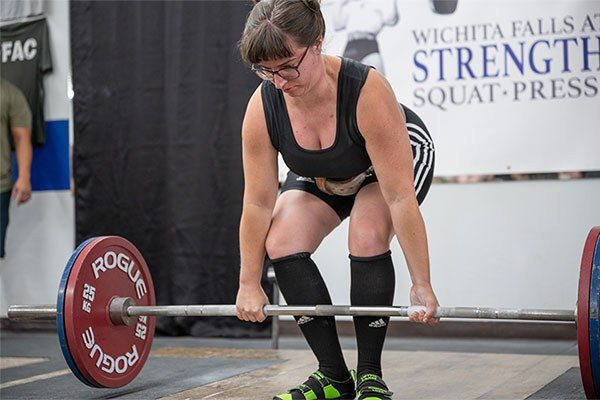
(117, 311)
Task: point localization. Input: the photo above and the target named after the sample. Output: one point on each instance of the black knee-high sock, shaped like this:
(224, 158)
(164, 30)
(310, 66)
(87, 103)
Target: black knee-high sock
(373, 283)
(301, 284)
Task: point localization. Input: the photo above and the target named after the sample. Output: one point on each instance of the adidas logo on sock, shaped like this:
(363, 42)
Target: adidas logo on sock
(380, 323)
(304, 319)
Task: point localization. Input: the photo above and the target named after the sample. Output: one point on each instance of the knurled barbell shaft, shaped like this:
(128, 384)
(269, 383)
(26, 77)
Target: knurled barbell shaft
(49, 312)
(327, 310)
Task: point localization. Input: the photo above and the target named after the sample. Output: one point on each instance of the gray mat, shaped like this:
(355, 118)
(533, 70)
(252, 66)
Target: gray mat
(568, 386)
(160, 377)
(27, 371)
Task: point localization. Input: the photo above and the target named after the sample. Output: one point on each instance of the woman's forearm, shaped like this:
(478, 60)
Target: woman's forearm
(410, 232)
(254, 227)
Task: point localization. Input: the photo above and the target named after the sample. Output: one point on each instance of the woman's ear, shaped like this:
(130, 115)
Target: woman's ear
(319, 46)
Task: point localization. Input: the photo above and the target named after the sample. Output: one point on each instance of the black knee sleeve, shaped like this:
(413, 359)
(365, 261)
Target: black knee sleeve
(301, 283)
(373, 284)
(373, 280)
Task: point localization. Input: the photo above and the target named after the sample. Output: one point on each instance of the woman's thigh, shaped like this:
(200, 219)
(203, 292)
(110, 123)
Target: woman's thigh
(300, 223)
(371, 229)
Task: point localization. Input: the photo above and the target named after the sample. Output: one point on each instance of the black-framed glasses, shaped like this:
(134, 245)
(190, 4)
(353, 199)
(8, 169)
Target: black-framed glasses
(289, 73)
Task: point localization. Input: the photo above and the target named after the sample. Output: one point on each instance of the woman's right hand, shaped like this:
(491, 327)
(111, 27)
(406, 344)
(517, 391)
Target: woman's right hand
(250, 302)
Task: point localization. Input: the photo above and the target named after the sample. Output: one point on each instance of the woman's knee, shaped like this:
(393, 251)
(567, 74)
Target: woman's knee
(299, 225)
(367, 239)
(276, 246)
(280, 244)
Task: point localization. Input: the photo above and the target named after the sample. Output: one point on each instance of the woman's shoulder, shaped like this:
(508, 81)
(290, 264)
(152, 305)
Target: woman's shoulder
(254, 108)
(375, 85)
(354, 69)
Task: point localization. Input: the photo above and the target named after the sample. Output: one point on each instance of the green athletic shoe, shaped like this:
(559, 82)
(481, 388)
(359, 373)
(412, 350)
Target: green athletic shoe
(372, 387)
(318, 386)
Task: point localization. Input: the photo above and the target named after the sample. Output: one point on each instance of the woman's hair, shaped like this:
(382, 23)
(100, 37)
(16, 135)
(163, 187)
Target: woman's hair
(271, 23)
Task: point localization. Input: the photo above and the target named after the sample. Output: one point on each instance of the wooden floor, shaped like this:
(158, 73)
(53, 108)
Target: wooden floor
(32, 367)
(409, 374)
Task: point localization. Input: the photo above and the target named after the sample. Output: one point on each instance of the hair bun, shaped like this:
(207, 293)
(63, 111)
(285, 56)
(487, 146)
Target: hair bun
(312, 5)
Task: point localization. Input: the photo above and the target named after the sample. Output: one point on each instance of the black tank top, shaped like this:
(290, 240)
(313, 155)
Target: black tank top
(347, 157)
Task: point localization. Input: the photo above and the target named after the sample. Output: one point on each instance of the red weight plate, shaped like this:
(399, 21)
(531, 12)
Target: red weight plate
(583, 317)
(108, 355)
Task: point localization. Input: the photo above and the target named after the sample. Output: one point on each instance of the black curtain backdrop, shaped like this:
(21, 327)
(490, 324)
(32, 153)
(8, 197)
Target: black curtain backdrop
(160, 93)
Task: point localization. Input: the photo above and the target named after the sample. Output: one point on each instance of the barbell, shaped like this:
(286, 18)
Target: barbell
(106, 306)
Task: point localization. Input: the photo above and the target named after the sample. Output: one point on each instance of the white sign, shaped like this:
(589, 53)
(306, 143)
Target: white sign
(503, 86)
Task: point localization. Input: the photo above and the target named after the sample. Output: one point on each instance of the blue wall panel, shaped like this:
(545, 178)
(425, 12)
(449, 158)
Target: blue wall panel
(50, 168)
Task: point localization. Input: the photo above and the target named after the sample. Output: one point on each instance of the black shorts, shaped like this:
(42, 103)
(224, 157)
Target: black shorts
(423, 162)
(342, 205)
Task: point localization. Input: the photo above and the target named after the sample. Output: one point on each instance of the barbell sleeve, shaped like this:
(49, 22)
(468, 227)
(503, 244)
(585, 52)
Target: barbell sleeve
(26, 312)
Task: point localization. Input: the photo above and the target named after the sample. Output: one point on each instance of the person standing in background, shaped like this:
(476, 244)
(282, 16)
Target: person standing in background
(15, 120)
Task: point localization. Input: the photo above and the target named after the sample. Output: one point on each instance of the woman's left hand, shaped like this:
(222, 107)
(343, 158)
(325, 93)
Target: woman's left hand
(422, 295)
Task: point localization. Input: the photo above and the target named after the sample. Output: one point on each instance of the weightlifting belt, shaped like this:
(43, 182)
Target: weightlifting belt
(346, 187)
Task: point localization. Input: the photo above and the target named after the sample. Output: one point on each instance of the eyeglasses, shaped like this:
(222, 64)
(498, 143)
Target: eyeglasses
(288, 73)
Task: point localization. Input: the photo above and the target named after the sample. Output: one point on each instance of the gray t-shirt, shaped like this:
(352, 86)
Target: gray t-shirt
(14, 112)
(25, 57)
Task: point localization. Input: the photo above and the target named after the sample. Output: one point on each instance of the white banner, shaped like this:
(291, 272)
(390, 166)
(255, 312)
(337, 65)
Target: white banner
(504, 86)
